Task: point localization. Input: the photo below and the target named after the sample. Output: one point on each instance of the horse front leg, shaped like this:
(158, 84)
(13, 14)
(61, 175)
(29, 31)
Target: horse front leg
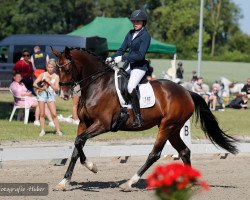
(67, 177)
(92, 131)
(74, 157)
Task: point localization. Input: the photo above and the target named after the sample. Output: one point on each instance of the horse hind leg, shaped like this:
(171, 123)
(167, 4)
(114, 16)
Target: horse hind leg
(152, 158)
(184, 152)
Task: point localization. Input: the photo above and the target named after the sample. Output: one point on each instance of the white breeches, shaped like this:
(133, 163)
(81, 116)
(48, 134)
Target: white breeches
(135, 78)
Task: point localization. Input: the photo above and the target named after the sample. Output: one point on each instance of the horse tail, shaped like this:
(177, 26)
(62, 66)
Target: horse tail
(210, 127)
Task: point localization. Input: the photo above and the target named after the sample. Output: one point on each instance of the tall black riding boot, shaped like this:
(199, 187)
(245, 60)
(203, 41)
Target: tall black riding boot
(136, 108)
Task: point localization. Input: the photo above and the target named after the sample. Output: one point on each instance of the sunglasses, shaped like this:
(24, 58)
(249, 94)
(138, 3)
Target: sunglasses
(26, 55)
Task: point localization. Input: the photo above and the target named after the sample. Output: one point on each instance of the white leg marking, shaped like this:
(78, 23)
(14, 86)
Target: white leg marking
(64, 181)
(62, 185)
(133, 180)
(91, 166)
(88, 164)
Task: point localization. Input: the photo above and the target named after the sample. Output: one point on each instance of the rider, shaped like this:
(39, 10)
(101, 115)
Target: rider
(137, 42)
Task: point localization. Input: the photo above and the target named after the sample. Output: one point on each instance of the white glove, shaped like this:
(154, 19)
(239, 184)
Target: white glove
(118, 59)
(108, 59)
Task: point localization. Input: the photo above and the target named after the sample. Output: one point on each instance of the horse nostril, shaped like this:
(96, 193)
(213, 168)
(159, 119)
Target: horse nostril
(66, 97)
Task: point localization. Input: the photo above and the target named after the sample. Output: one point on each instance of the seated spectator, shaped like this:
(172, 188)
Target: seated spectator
(213, 98)
(199, 89)
(239, 102)
(208, 97)
(246, 88)
(217, 85)
(19, 89)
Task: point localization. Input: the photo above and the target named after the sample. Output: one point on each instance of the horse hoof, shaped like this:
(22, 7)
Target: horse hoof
(90, 166)
(94, 168)
(125, 187)
(60, 187)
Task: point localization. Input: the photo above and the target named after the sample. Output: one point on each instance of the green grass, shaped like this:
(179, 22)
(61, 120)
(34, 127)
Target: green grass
(234, 121)
(210, 70)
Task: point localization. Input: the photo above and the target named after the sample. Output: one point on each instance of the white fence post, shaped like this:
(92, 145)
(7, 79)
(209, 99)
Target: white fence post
(185, 134)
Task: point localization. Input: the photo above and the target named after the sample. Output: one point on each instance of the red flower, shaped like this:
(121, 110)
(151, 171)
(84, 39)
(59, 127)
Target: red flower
(170, 179)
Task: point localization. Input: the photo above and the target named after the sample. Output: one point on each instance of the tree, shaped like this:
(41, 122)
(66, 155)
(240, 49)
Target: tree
(177, 22)
(170, 21)
(223, 17)
(215, 19)
(7, 12)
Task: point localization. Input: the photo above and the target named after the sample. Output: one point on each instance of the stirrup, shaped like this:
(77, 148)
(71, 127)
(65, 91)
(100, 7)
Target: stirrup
(138, 122)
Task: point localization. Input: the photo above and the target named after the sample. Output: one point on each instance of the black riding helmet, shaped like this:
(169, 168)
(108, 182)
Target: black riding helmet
(139, 15)
(179, 64)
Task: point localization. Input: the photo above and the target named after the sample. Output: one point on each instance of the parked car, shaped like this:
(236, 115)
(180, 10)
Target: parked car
(11, 49)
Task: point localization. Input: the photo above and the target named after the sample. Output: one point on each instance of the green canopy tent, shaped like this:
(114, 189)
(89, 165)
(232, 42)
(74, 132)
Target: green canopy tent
(114, 30)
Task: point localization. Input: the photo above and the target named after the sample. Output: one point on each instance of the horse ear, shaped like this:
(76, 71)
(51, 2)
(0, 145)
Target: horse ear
(56, 53)
(67, 52)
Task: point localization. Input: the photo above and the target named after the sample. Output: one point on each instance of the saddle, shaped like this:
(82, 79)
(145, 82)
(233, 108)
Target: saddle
(123, 78)
(144, 90)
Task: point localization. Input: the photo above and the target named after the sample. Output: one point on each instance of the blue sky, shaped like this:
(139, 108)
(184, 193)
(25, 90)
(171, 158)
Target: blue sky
(245, 9)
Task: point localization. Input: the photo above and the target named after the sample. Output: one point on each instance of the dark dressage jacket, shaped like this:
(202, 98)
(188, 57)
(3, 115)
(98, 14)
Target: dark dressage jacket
(137, 49)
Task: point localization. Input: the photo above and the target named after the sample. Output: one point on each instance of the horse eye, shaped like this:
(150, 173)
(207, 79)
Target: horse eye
(67, 71)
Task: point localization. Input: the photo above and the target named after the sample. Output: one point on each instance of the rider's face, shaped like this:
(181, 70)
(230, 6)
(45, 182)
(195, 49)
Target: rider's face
(137, 24)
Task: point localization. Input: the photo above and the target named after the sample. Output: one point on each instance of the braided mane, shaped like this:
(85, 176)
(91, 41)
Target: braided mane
(98, 57)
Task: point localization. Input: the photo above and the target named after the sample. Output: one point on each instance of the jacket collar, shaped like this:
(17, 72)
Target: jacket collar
(140, 32)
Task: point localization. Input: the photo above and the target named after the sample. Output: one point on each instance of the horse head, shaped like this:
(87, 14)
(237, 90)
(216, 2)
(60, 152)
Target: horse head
(78, 66)
(64, 69)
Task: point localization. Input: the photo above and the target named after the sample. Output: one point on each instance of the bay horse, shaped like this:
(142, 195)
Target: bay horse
(99, 107)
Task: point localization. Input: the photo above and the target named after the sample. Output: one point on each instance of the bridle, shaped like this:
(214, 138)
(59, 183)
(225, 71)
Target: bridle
(73, 82)
(68, 83)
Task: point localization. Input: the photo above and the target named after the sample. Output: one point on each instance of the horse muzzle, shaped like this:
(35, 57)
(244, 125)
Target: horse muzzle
(65, 95)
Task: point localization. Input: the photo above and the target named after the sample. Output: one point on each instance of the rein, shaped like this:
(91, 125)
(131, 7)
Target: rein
(73, 83)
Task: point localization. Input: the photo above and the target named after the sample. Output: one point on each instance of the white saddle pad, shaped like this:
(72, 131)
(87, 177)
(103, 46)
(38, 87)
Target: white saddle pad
(147, 96)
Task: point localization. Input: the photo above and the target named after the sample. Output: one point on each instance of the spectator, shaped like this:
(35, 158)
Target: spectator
(24, 67)
(213, 98)
(47, 84)
(239, 102)
(76, 98)
(39, 60)
(194, 77)
(246, 88)
(208, 97)
(179, 71)
(19, 89)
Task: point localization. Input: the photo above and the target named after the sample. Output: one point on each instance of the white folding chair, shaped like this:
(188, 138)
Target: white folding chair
(15, 107)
